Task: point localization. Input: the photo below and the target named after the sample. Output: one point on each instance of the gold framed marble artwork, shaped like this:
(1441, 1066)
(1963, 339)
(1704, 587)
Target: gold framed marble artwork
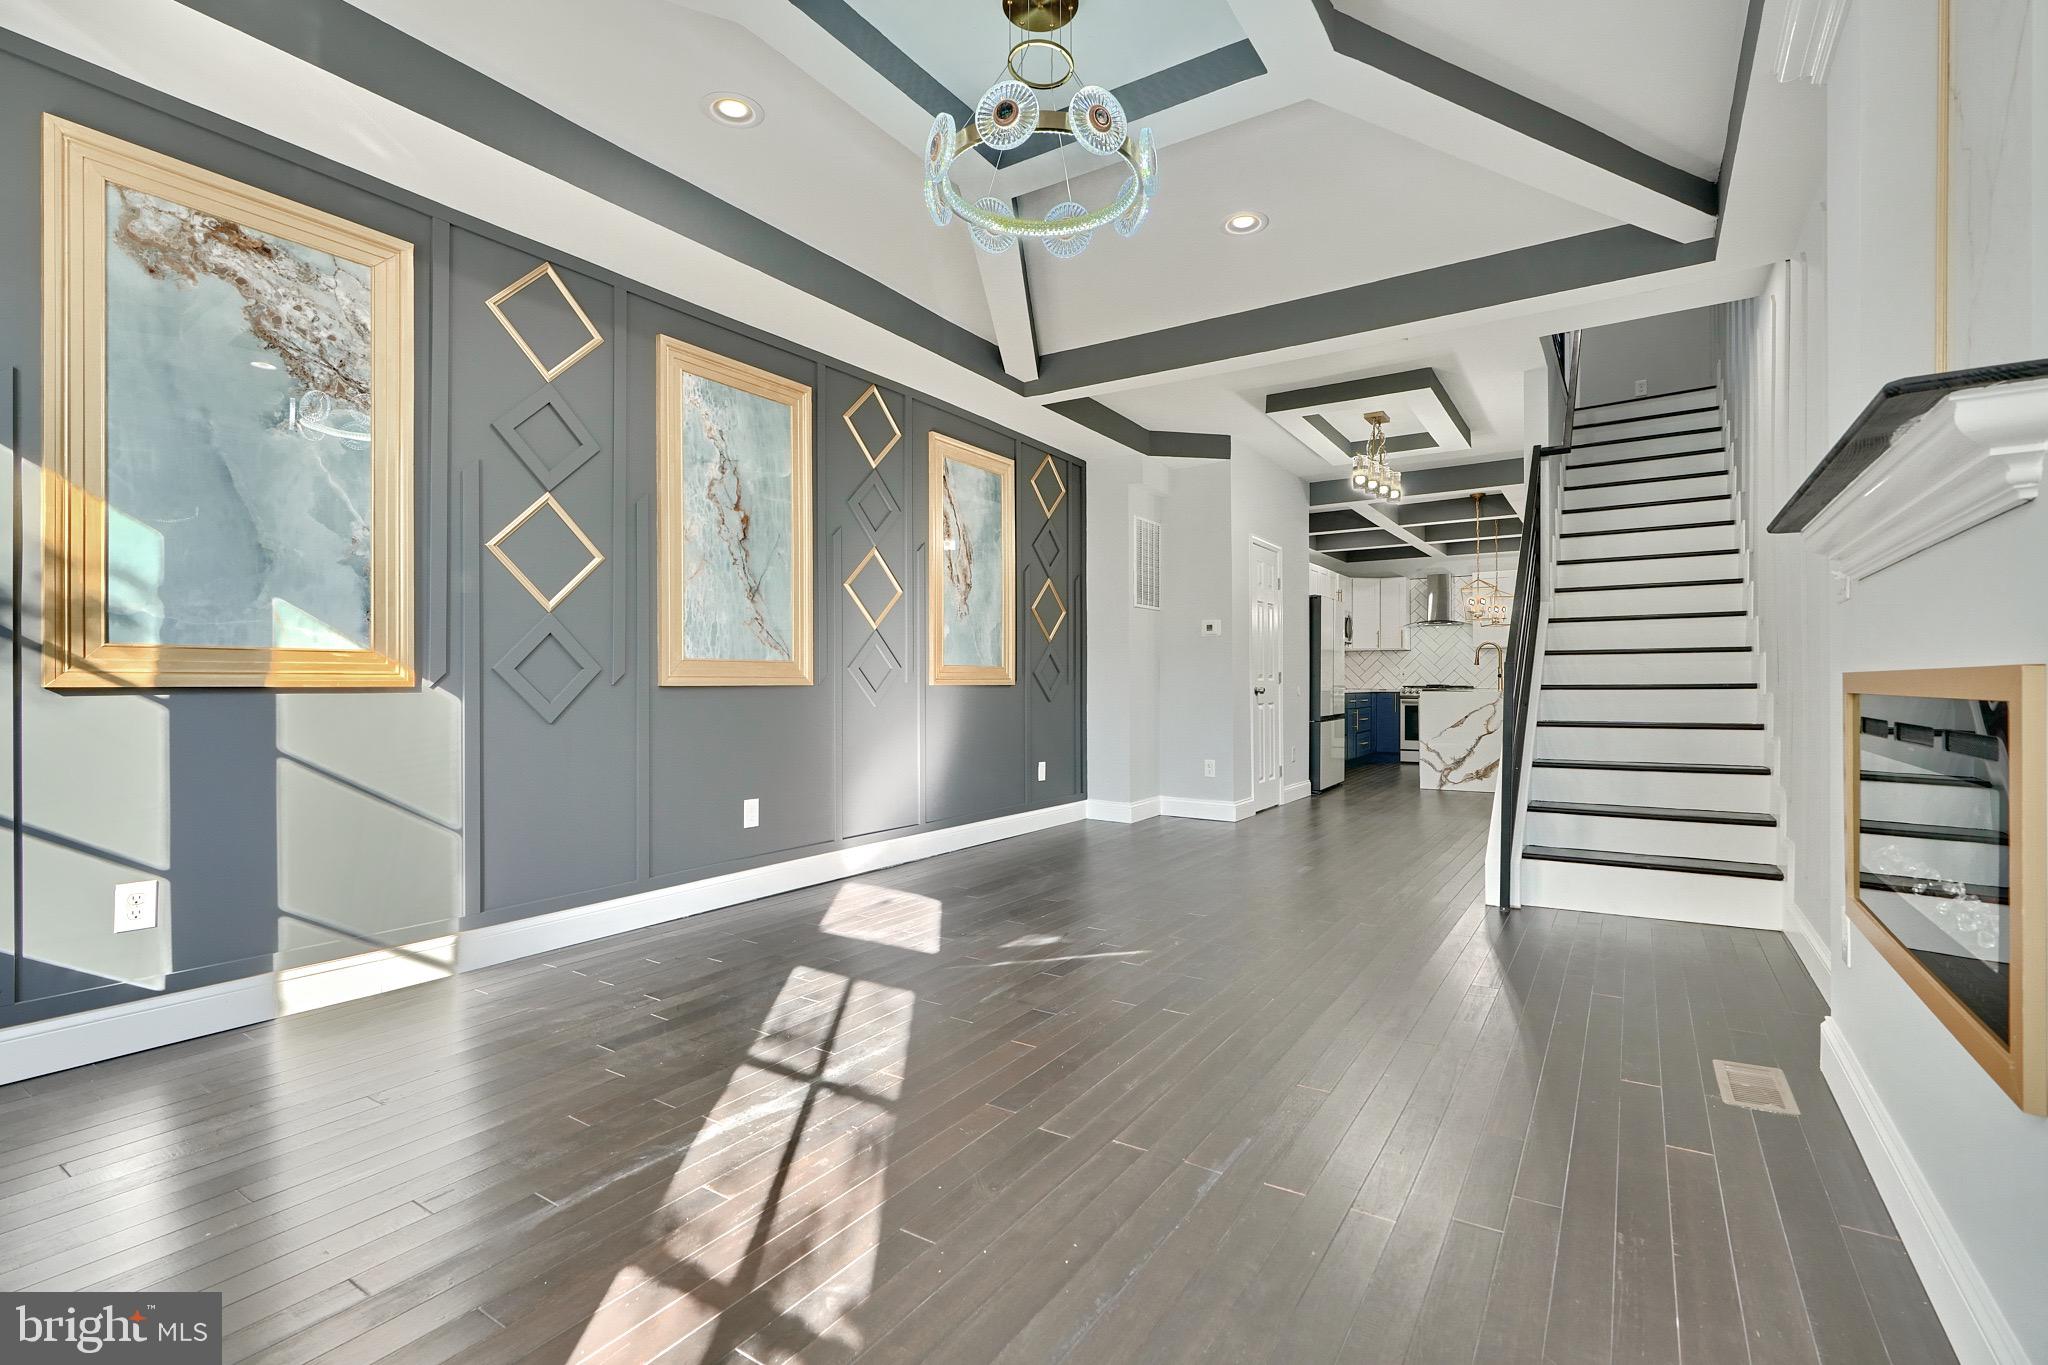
(733, 512)
(972, 573)
(228, 415)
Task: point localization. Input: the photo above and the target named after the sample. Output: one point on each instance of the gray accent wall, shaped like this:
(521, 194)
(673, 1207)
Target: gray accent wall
(537, 767)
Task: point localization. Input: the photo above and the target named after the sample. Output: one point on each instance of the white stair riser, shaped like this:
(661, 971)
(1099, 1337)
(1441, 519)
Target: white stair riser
(1645, 407)
(1651, 601)
(1649, 668)
(1740, 901)
(1652, 746)
(1600, 426)
(1665, 513)
(1687, 632)
(1650, 570)
(1659, 542)
(1918, 804)
(1726, 705)
(1936, 859)
(1671, 838)
(1696, 486)
(1597, 448)
(1620, 787)
(1620, 465)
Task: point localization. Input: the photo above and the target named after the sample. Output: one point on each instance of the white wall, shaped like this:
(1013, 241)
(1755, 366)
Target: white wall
(1197, 689)
(1123, 639)
(1854, 309)
(1667, 353)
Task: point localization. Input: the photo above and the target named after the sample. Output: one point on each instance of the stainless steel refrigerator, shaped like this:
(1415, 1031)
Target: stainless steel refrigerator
(1326, 692)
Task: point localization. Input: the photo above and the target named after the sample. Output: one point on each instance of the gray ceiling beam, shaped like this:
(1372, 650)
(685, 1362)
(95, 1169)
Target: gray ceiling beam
(1455, 511)
(1359, 540)
(1104, 420)
(1461, 531)
(1322, 523)
(1364, 393)
(1422, 485)
(1380, 556)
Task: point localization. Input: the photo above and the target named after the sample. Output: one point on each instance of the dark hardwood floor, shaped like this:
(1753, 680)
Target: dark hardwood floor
(1277, 1091)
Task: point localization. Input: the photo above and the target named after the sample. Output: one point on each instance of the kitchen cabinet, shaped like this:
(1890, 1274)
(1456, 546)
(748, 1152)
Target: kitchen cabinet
(1372, 727)
(1378, 610)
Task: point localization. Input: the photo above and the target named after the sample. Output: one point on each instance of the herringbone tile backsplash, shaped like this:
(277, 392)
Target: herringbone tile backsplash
(1435, 654)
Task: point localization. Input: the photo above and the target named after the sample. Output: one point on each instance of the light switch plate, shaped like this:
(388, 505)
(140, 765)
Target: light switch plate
(134, 906)
(1642, 387)
(1208, 767)
(1041, 770)
(750, 813)
(1212, 627)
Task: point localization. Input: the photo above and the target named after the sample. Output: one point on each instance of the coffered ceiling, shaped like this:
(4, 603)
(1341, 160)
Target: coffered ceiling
(1442, 184)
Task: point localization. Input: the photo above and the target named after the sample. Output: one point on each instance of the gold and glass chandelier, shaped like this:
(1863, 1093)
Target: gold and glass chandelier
(1026, 101)
(1501, 604)
(1480, 591)
(1370, 472)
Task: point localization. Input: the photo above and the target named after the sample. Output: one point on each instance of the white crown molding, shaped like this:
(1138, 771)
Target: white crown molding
(1975, 454)
(1811, 27)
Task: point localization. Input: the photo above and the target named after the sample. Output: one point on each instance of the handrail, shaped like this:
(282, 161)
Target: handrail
(1520, 666)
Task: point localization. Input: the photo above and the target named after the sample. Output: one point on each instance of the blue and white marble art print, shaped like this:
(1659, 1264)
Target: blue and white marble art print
(739, 526)
(971, 623)
(237, 417)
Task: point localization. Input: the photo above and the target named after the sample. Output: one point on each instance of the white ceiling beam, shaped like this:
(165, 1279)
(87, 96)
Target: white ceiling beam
(1009, 308)
(1297, 50)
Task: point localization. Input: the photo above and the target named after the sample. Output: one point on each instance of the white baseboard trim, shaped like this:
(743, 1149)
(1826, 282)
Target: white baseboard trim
(1189, 808)
(495, 943)
(1813, 954)
(1976, 1328)
(1293, 791)
(96, 1035)
(1124, 812)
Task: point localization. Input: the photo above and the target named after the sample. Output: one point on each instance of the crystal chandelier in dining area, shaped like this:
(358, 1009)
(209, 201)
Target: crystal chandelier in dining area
(1029, 99)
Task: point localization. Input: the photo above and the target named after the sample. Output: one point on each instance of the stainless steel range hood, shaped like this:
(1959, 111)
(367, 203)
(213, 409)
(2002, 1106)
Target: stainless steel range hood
(1441, 605)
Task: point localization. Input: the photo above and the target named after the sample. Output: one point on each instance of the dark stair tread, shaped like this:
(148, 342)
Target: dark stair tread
(1652, 436)
(1958, 834)
(1675, 583)
(1641, 398)
(1923, 886)
(1655, 724)
(1645, 459)
(1622, 765)
(1657, 862)
(1650, 687)
(1646, 417)
(1650, 616)
(1638, 506)
(1648, 530)
(1929, 779)
(1662, 649)
(1630, 559)
(1673, 814)
(1647, 478)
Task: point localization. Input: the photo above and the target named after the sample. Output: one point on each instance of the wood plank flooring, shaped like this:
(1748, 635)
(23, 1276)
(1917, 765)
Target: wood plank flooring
(1276, 1091)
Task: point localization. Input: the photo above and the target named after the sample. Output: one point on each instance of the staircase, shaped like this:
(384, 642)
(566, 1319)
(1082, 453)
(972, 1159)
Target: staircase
(1651, 789)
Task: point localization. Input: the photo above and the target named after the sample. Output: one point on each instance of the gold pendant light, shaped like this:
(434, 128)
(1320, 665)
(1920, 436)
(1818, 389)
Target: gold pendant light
(1481, 590)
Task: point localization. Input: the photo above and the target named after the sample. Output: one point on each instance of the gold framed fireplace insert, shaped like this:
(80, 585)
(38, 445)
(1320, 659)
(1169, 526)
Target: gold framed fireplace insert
(1944, 802)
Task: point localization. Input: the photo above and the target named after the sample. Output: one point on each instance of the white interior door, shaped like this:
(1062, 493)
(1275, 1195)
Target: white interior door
(1266, 641)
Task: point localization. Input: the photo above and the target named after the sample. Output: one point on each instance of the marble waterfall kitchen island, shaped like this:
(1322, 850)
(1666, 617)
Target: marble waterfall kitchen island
(1460, 730)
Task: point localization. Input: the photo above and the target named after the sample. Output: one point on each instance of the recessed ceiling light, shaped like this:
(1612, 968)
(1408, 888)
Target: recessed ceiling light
(1244, 223)
(735, 111)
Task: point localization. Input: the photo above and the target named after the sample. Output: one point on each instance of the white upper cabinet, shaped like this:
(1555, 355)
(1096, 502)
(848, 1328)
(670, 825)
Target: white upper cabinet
(1378, 608)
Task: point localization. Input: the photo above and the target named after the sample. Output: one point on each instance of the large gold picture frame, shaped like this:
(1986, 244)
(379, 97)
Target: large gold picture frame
(2020, 1065)
(675, 362)
(944, 449)
(79, 166)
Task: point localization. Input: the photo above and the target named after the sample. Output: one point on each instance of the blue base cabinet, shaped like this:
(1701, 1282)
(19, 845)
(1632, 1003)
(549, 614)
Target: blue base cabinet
(1372, 727)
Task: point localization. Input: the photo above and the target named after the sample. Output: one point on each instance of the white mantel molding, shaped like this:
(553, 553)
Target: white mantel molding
(1974, 454)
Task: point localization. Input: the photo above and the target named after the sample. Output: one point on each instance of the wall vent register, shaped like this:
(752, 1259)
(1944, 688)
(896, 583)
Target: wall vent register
(1145, 563)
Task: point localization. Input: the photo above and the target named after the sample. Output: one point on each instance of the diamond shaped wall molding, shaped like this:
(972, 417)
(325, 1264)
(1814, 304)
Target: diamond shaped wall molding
(1058, 485)
(873, 618)
(873, 394)
(496, 545)
(550, 473)
(1059, 615)
(496, 303)
(587, 669)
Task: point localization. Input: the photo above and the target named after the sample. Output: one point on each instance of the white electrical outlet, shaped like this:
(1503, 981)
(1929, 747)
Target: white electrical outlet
(1642, 387)
(134, 906)
(1208, 767)
(750, 813)
(1041, 770)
